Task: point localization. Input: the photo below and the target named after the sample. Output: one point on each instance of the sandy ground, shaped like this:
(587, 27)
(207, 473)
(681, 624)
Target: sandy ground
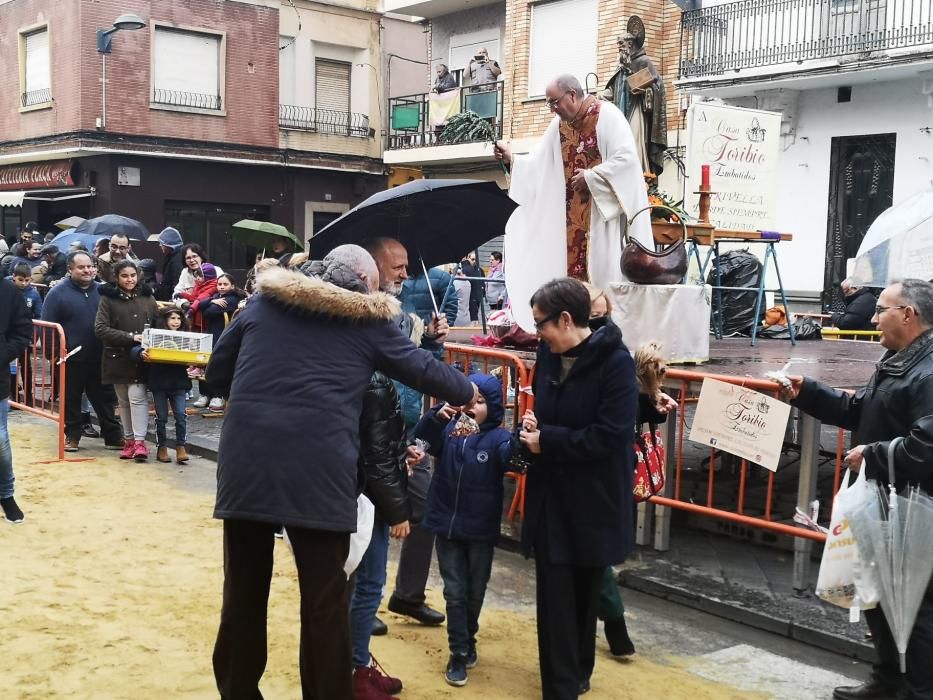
(112, 589)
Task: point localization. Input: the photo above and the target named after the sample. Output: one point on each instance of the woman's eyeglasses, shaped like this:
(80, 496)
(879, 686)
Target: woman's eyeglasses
(545, 321)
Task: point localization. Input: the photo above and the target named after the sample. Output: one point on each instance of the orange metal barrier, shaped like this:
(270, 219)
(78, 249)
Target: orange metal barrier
(685, 385)
(516, 381)
(40, 378)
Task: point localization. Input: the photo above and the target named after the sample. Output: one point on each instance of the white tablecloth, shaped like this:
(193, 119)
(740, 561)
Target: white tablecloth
(675, 315)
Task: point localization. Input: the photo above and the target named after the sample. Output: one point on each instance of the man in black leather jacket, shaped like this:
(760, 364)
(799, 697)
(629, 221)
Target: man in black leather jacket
(897, 402)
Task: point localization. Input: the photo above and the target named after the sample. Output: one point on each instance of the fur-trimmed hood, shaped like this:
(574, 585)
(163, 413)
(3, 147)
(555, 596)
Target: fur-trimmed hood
(298, 291)
(112, 291)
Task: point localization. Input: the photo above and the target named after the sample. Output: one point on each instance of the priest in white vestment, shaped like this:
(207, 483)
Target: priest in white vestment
(575, 190)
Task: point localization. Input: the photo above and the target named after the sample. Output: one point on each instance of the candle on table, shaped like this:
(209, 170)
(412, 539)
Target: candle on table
(704, 183)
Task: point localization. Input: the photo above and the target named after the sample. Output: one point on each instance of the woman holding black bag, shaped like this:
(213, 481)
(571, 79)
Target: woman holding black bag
(579, 509)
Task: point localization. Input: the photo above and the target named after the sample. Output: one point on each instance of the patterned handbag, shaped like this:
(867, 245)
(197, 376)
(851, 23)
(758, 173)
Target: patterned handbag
(649, 464)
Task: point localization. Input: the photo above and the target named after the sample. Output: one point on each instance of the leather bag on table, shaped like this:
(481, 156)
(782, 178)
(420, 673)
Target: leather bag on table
(644, 266)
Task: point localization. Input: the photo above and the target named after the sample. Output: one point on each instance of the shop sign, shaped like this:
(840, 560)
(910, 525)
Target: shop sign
(742, 148)
(740, 421)
(52, 173)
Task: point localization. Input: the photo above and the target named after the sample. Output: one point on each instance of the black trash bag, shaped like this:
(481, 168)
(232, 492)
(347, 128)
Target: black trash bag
(805, 328)
(738, 268)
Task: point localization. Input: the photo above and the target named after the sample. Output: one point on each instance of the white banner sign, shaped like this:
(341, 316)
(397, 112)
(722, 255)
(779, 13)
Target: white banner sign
(740, 421)
(742, 147)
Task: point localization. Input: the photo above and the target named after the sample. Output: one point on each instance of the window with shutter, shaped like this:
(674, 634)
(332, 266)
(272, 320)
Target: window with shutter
(37, 74)
(186, 69)
(332, 96)
(563, 40)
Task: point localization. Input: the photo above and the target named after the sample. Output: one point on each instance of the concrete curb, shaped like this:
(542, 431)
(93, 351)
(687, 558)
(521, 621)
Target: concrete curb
(863, 651)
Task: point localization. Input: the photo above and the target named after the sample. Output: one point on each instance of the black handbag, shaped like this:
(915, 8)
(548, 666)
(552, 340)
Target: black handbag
(643, 266)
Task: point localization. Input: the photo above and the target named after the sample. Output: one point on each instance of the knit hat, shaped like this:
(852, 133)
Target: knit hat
(170, 238)
(209, 271)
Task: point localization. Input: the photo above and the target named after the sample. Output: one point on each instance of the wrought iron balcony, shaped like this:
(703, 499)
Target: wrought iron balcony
(36, 97)
(324, 121)
(186, 99)
(758, 33)
(416, 121)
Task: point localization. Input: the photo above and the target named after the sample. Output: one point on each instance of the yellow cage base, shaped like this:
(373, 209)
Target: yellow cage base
(178, 357)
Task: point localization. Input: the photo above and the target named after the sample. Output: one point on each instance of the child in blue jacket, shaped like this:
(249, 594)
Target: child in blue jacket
(464, 510)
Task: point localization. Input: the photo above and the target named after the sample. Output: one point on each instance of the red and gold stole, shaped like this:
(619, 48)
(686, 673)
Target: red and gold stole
(579, 151)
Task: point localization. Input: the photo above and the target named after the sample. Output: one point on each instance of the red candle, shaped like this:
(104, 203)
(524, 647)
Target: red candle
(704, 184)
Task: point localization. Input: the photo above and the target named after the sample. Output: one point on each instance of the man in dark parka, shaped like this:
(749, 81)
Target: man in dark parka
(296, 363)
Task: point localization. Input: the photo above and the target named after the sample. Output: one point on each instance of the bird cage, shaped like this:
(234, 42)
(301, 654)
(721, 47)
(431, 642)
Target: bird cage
(177, 347)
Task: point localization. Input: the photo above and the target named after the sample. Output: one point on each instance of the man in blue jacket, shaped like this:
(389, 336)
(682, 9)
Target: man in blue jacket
(16, 330)
(72, 303)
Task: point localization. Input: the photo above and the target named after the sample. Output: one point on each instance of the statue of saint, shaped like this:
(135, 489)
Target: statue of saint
(644, 107)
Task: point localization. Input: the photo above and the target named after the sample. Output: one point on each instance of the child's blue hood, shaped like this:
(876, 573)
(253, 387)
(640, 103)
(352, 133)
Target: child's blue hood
(491, 388)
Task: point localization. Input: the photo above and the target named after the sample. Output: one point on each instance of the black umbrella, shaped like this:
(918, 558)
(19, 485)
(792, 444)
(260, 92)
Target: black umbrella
(110, 224)
(438, 221)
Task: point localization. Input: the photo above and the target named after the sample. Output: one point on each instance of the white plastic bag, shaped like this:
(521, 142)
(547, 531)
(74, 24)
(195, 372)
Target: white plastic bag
(867, 581)
(842, 581)
(359, 540)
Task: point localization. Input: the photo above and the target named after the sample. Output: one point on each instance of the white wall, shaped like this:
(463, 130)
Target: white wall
(803, 196)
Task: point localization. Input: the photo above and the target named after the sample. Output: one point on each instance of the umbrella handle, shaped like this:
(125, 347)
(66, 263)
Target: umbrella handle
(891, 447)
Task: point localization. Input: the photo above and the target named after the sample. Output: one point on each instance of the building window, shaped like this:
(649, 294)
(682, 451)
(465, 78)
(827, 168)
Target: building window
(36, 68)
(332, 96)
(563, 40)
(187, 69)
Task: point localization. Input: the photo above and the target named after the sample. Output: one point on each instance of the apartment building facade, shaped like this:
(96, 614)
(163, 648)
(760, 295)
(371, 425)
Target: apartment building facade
(532, 42)
(853, 82)
(211, 112)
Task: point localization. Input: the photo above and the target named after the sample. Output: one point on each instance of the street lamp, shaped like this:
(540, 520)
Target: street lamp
(104, 41)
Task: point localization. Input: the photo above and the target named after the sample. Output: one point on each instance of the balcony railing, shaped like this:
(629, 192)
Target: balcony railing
(324, 121)
(759, 33)
(196, 100)
(37, 97)
(418, 120)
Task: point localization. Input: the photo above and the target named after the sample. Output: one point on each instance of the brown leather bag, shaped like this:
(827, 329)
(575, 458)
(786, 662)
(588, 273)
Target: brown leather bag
(643, 266)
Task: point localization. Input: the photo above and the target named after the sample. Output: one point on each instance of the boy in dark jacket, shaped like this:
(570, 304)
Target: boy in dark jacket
(464, 509)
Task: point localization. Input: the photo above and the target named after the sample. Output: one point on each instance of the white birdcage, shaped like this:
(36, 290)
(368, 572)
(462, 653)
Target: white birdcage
(178, 347)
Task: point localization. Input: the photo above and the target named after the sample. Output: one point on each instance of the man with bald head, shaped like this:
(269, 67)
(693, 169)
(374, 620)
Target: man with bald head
(296, 363)
(415, 560)
(576, 189)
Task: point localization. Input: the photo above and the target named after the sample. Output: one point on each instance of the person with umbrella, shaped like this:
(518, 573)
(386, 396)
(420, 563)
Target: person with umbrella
(897, 402)
(415, 560)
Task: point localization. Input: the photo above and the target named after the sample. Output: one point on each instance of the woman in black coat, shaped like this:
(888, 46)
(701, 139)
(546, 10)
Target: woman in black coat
(578, 499)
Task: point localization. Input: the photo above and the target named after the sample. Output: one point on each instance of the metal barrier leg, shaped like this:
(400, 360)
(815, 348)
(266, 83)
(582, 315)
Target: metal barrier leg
(806, 491)
(662, 514)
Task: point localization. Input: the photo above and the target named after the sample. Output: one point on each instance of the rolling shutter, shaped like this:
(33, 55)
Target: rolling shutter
(332, 85)
(38, 75)
(563, 40)
(187, 62)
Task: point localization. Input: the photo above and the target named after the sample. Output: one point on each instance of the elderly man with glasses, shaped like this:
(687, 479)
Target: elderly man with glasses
(896, 403)
(577, 188)
(119, 249)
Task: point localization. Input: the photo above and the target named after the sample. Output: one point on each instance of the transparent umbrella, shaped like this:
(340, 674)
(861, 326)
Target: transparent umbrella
(892, 533)
(898, 244)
